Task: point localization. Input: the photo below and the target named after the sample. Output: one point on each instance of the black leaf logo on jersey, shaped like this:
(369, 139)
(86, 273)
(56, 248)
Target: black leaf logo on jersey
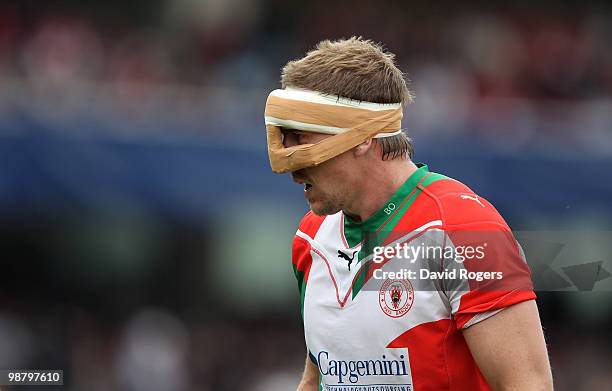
(349, 259)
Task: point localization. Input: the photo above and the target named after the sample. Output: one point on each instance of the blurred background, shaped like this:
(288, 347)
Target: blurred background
(146, 244)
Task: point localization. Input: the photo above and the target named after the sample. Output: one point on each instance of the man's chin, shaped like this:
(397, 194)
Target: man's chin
(322, 210)
(318, 212)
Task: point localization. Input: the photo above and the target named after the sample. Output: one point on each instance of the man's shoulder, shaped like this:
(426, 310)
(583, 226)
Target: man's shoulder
(458, 204)
(310, 224)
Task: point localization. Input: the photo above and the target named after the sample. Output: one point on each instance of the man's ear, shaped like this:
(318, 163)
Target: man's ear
(363, 148)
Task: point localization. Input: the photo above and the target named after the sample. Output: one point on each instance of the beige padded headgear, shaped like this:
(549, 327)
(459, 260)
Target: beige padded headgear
(350, 122)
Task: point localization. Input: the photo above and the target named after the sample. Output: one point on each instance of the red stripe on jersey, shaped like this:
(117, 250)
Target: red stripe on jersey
(438, 342)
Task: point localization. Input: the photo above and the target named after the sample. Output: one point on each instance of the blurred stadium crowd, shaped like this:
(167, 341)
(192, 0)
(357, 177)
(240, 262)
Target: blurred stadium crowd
(129, 289)
(529, 76)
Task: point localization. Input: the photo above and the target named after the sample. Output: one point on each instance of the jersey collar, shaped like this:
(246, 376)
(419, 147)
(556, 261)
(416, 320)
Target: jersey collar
(353, 230)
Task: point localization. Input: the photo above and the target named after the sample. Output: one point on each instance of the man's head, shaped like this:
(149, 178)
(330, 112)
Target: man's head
(359, 70)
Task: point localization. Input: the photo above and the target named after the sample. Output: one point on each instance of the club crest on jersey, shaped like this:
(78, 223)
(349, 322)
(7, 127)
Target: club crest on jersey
(396, 297)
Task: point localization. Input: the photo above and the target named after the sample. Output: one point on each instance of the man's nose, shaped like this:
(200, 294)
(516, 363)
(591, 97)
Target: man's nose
(298, 175)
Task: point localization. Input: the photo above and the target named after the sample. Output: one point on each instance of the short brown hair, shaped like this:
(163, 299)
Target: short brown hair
(358, 69)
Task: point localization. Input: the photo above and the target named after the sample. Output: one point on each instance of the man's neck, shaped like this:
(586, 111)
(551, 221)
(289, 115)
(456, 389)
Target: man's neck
(377, 186)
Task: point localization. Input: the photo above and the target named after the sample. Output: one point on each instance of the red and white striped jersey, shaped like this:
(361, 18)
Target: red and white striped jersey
(368, 329)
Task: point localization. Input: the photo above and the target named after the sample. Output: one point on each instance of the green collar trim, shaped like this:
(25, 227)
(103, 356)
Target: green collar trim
(353, 230)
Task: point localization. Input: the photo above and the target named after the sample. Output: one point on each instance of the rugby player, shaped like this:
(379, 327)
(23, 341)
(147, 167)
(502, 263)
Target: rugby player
(335, 125)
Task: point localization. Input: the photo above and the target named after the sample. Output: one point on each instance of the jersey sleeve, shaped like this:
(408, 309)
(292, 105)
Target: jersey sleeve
(491, 270)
